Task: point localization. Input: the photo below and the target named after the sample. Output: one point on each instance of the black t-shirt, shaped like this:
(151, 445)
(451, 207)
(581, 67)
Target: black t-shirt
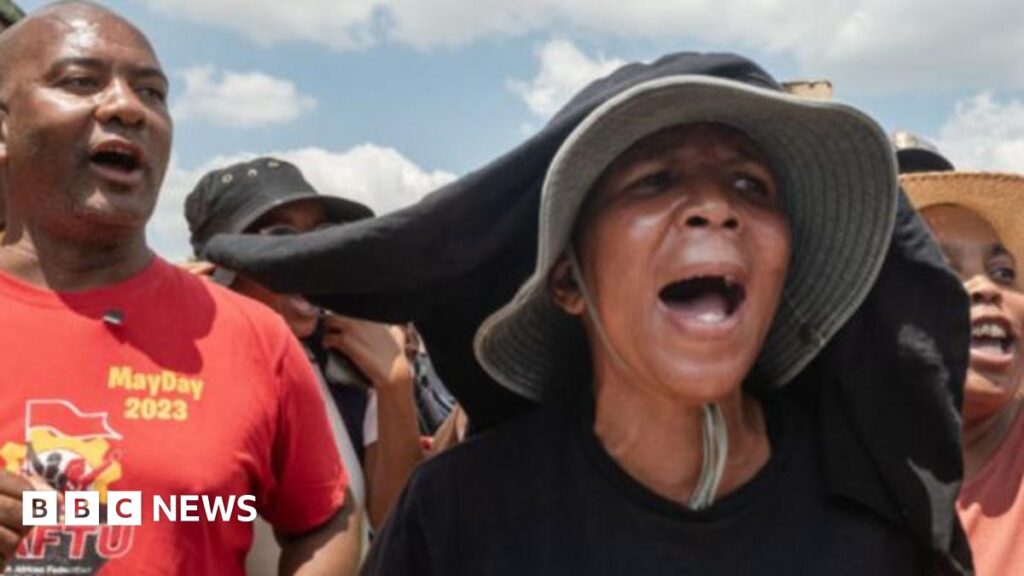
(540, 495)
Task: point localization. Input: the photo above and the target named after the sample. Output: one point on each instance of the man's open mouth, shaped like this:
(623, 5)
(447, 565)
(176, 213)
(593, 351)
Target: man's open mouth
(991, 336)
(116, 156)
(708, 299)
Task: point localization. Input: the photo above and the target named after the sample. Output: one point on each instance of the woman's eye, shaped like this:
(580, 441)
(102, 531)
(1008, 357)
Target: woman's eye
(1004, 274)
(653, 182)
(752, 185)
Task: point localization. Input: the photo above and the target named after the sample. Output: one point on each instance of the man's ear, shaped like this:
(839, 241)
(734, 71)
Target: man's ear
(565, 290)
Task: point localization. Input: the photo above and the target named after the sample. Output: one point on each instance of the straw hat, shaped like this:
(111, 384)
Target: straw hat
(996, 197)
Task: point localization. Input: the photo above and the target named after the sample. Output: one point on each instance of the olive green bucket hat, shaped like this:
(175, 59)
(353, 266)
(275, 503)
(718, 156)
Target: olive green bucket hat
(837, 172)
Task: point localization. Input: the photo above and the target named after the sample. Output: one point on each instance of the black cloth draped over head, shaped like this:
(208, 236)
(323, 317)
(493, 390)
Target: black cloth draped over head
(886, 390)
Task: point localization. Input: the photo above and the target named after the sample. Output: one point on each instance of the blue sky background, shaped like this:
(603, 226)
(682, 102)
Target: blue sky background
(436, 88)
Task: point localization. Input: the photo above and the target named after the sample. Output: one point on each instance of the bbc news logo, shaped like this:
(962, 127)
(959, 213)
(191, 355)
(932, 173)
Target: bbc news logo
(42, 508)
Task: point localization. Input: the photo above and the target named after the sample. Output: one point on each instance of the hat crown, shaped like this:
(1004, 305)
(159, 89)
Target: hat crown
(228, 199)
(723, 65)
(995, 196)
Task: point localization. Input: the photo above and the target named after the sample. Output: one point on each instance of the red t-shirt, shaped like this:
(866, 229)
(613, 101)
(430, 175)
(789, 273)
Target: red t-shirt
(991, 508)
(198, 391)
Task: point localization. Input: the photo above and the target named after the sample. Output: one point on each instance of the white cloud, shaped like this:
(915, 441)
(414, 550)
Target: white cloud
(564, 70)
(239, 99)
(881, 44)
(338, 24)
(377, 176)
(985, 133)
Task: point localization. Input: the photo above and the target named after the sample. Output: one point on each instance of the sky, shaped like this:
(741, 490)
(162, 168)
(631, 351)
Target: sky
(385, 100)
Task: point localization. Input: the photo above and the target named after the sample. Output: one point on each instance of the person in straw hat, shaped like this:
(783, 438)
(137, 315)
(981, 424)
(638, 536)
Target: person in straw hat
(976, 218)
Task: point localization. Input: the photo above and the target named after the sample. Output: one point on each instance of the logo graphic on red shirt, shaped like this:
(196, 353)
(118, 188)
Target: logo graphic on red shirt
(72, 450)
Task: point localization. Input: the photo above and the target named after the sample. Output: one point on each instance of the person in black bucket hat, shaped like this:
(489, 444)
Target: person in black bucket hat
(270, 197)
(233, 198)
(739, 392)
(370, 377)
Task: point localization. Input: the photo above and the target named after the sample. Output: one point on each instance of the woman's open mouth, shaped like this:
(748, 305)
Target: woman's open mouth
(992, 341)
(707, 304)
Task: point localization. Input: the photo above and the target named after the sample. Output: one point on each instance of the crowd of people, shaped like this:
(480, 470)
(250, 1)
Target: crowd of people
(697, 324)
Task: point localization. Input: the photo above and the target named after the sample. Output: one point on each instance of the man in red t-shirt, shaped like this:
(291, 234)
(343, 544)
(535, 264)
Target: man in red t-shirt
(121, 372)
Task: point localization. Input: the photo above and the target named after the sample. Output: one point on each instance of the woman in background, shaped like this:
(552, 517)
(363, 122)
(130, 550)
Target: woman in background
(977, 220)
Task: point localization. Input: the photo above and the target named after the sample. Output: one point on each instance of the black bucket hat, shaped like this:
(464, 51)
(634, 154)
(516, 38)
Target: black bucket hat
(915, 154)
(231, 199)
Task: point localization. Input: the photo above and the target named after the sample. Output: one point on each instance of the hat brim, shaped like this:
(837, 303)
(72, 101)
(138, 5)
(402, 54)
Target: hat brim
(336, 210)
(912, 160)
(837, 173)
(996, 197)
(10, 13)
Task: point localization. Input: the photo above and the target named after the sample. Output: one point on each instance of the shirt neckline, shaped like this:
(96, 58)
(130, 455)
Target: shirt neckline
(983, 475)
(783, 429)
(16, 288)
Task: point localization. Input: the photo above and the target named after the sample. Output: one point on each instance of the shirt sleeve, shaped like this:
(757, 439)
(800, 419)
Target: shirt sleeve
(401, 547)
(309, 481)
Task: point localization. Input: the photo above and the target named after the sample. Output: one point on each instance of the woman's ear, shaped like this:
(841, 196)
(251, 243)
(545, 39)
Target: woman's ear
(565, 289)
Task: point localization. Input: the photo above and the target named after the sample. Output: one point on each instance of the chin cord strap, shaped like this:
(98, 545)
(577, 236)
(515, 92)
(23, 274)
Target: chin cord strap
(715, 435)
(716, 450)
